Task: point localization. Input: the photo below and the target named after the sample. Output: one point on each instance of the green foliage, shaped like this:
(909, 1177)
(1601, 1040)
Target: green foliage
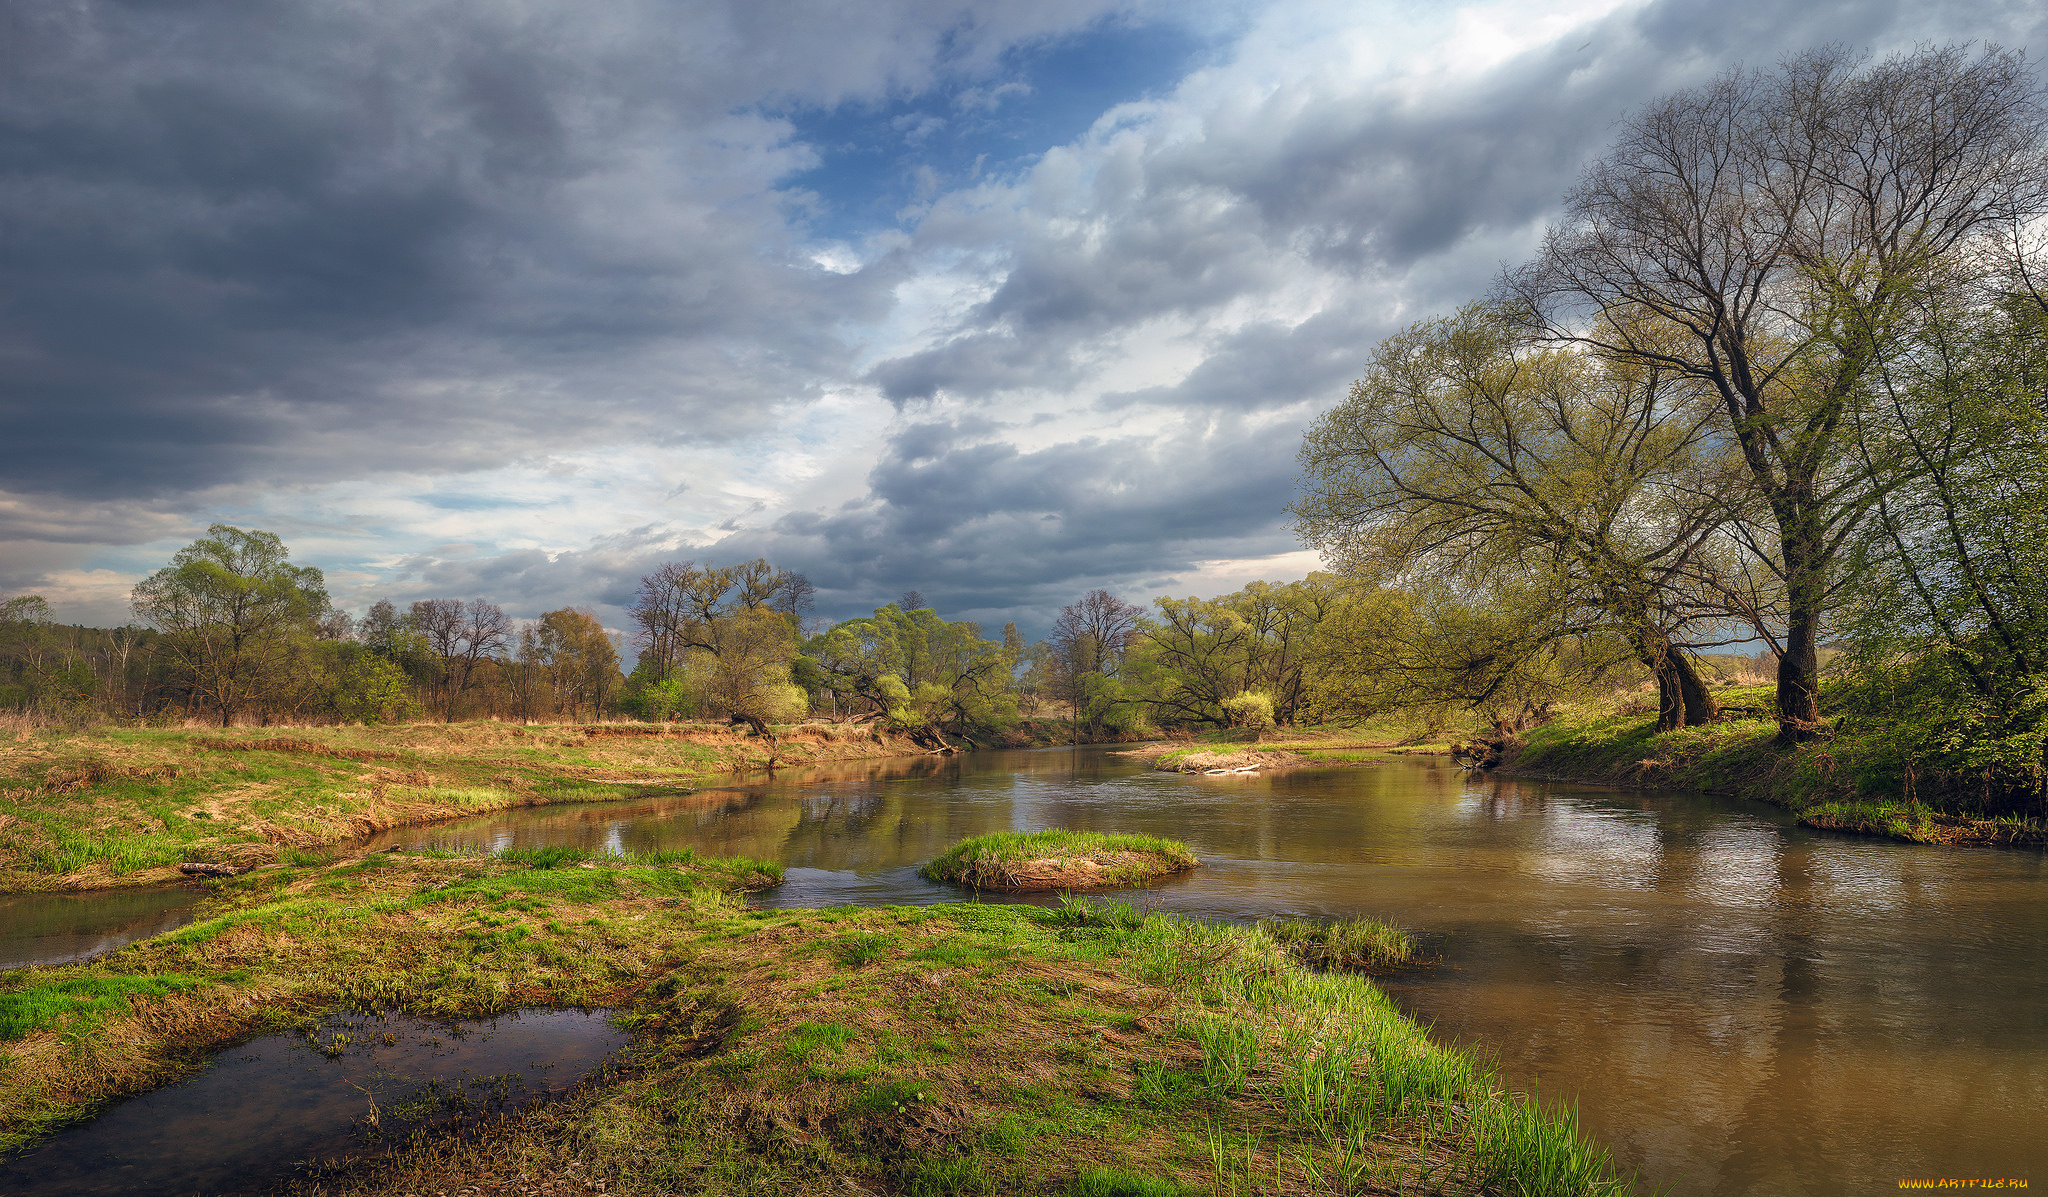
(916, 670)
(1918, 729)
(1253, 708)
(80, 1002)
(367, 688)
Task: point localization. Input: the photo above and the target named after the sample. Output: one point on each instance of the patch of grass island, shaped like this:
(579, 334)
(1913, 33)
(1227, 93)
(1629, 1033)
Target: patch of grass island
(1085, 1050)
(1059, 860)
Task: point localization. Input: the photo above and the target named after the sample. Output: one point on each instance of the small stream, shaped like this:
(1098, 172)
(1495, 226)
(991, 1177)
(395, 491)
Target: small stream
(61, 927)
(355, 1087)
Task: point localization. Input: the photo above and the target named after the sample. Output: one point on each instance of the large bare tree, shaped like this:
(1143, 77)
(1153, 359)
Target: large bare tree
(1782, 223)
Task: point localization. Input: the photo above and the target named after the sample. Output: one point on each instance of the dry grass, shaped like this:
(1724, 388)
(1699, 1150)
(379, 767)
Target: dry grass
(124, 806)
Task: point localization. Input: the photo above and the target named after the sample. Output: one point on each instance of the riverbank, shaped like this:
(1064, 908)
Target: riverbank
(125, 806)
(1741, 758)
(1240, 751)
(1086, 1049)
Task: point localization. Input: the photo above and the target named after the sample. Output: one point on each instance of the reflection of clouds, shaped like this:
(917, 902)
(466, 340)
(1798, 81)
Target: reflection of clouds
(1613, 849)
(1736, 865)
(1862, 880)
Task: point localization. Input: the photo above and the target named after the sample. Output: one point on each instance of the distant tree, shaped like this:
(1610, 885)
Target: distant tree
(462, 635)
(748, 670)
(1089, 640)
(912, 600)
(571, 649)
(677, 604)
(233, 610)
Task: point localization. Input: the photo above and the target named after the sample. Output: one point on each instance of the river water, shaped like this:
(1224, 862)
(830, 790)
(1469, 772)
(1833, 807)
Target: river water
(1737, 1005)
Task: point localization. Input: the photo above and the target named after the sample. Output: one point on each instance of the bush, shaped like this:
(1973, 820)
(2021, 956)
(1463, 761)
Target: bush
(1253, 708)
(1920, 730)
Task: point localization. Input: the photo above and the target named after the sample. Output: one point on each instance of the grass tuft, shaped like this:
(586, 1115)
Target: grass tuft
(1115, 1182)
(1360, 945)
(554, 856)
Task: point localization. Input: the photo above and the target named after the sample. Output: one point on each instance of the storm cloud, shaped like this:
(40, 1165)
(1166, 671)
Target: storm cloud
(520, 301)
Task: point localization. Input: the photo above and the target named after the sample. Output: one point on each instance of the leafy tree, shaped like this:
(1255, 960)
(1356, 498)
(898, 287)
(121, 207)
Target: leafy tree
(1949, 612)
(232, 609)
(677, 604)
(1766, 235)
(917, 670)
(1464, 456)
(747, 669)
(570, 650)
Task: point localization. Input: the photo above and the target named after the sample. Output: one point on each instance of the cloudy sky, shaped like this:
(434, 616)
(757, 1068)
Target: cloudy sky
(1000, 301)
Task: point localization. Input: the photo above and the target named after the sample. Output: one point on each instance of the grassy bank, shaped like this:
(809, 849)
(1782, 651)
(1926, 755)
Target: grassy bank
(941, 1050)
(1820, 782)
(124, 806)
(1244, 751)
(1058, 860)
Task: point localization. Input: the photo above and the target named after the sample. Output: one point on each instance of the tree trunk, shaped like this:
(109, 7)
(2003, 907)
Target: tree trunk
(1799, 681)
(1700, 705)
(1799, 666)
(1670, 694)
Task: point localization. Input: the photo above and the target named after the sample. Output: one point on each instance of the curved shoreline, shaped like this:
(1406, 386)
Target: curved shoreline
(124, 808)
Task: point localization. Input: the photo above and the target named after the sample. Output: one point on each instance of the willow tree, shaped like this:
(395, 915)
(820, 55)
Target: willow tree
(1469, 461)
(1766, 235)
(234, 612)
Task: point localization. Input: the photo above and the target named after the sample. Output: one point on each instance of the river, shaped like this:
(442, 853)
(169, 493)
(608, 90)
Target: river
(1737, 1005)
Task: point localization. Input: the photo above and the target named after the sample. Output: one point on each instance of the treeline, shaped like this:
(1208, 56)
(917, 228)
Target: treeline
(231, 631)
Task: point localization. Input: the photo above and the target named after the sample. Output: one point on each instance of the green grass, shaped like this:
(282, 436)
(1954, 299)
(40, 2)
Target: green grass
(993, 860)
(1088, 1048)
(1358, 944)
(80, 1003)
(1115, 1182)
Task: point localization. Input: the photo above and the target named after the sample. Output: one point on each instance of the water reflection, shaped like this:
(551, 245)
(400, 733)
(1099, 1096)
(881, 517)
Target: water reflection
(239, 1126)
(1738, 1005)
(55, 928)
